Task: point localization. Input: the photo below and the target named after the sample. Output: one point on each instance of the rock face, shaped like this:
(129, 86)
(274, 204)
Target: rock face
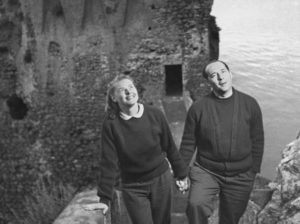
(284, 207)
(56, 58)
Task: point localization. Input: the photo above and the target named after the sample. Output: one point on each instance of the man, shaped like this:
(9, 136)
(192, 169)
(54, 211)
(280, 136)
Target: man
(227, 130)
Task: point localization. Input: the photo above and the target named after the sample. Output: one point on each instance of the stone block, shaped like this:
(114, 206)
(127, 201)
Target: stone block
(76, 214)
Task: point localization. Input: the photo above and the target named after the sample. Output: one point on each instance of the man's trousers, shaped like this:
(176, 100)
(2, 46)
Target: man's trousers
(233, 193)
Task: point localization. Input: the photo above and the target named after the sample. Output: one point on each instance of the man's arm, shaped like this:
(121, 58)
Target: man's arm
(257, 137)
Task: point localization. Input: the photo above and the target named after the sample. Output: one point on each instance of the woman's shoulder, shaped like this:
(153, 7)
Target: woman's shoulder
(109, 119)
(153, 112)
(150, 109)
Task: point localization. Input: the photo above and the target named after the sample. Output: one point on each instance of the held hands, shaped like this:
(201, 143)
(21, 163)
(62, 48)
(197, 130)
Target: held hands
(183, 185)
(96, 206)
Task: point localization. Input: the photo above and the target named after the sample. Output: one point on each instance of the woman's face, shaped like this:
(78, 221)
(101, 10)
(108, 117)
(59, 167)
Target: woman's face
(125, 93)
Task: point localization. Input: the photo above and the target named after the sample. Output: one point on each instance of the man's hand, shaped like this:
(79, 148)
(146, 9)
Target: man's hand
(96, 206)
(183, 185)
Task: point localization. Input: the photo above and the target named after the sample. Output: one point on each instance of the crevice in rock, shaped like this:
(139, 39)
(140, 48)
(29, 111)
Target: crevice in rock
(28, 56)
(17, 107)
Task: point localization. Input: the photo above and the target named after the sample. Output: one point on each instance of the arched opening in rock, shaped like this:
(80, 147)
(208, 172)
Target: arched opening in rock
(58, 10)
(17, 108)
(173, 80)
(13, 2)
(3, 50)
(214, 37)
(28, 56)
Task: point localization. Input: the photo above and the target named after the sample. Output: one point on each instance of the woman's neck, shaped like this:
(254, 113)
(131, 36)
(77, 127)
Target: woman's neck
(132, 110)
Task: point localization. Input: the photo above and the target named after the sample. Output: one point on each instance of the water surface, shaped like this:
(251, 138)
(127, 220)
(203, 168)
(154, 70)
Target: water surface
(260, 40)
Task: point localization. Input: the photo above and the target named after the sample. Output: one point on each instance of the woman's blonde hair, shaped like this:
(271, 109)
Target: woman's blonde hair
(112, 108)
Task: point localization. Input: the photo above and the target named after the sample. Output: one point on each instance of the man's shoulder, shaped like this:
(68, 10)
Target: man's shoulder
(198, 106)
(203, 100)
(244, 96)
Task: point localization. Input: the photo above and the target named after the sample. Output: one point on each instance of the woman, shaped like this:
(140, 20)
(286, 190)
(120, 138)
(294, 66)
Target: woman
(136, 139)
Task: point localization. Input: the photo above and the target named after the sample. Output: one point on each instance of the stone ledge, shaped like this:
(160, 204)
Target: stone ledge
(74, 213)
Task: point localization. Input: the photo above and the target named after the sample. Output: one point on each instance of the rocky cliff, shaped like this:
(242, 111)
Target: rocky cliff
(284, 206)
(55, 60)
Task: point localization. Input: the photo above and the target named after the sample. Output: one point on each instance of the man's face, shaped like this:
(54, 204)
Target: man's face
(219, 78)
(125, 93)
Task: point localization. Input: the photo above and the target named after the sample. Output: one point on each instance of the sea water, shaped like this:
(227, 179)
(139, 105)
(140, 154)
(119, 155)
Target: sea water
(260, 40)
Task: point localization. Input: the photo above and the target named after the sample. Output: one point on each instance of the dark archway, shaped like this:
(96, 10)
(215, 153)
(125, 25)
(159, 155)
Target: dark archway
(173, 79)
(17, 108)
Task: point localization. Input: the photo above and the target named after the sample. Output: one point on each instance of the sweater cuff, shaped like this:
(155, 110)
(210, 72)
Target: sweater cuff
(183, 173)
(105, 201)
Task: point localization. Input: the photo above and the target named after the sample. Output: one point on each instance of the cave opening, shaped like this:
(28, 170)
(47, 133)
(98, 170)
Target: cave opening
(173, 80)
(28, 56)
(17, 108)
(3, 50)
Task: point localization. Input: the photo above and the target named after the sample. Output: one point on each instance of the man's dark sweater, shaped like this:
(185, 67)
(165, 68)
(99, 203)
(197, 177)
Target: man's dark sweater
(139, 146)
(228, 134)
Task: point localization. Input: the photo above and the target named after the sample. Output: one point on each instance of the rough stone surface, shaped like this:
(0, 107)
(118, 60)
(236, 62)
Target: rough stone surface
(75, 212)
(56, 58)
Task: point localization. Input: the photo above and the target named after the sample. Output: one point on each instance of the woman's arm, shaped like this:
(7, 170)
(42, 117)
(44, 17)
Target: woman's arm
(108, 165)
(168, 145)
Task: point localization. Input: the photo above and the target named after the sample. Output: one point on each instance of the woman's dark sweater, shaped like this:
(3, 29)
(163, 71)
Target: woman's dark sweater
(139, 147)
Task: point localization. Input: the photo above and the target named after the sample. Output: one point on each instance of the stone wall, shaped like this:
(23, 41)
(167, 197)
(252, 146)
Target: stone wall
(56, 58)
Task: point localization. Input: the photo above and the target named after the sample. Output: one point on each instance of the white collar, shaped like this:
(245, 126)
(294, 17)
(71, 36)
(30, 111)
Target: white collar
(139, 114)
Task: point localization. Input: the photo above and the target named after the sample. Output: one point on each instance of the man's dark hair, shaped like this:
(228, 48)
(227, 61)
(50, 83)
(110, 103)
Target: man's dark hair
(205, 75)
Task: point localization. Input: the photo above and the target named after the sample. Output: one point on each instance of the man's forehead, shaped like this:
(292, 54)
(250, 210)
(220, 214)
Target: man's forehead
(214, 66)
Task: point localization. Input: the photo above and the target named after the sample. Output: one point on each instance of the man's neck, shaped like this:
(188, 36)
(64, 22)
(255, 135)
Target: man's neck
(224, 95)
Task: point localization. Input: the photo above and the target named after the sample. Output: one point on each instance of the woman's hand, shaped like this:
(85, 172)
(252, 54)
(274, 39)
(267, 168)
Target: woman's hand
(96, 206)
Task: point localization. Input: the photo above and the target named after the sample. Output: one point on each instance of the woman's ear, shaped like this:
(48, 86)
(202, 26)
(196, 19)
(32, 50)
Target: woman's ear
(113, 98)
